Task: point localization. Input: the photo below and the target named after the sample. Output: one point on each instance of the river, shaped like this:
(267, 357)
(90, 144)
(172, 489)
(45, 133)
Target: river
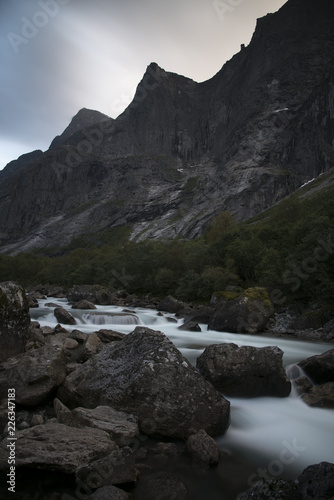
(279, 436)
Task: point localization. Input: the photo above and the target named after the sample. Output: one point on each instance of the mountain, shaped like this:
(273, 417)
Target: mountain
(14, 166)
(183, 151)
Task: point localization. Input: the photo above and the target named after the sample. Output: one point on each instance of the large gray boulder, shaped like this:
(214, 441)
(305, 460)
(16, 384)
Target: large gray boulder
(244, 312)
(35, 375)
(145, 375)
(245, 371)
(14, 320)
(58, 447)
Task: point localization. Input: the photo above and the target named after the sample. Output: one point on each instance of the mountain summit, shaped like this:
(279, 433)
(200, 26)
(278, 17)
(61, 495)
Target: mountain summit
(182, 151)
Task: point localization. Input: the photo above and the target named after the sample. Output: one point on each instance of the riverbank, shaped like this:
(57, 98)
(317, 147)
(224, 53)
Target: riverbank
(261, 431)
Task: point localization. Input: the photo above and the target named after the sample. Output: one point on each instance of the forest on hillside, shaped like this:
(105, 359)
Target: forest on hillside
(289, 249)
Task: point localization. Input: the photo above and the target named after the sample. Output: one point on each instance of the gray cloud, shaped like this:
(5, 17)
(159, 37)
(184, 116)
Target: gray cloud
(71, 54)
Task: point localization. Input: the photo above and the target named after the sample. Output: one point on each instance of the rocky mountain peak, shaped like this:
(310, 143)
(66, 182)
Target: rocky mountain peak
(182, 152)
(83, 119)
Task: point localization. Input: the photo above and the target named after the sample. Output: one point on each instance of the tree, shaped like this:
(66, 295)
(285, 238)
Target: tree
(223, 223)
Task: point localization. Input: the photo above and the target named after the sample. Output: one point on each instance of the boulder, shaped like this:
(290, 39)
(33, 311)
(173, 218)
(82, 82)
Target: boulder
(79, 336)
(320, 396)
(109, 493)
(122, 427)
(302, 385)
(47, 330)
(317, 481)
(203, 449)
(83, 304)
(35, 375)
(245, 371)
(63, 414)
(36, 295)
(70, 344)
(242, 312)
(36, 336)
(319, 368)
(118, 467)
(95, 294)
(14, 320)
(147, 376)
(92, 345)
(107, 336)
(314, 483)
(51, 304)
(171, 305)
(201, 314)
(190, 326)
(64, 316)
(58, 447)
(272, 489)
(32, 302)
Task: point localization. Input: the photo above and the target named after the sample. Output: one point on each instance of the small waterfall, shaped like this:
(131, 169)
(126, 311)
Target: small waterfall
(93, 318)
(294, 373)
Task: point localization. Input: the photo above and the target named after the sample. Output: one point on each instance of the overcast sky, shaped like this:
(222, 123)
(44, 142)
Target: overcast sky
(58, 56)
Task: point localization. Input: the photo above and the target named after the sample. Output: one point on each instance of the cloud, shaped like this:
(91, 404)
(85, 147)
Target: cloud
(93, 53)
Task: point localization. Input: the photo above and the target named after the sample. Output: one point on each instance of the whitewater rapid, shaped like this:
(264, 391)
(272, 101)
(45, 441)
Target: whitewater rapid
(280, 436)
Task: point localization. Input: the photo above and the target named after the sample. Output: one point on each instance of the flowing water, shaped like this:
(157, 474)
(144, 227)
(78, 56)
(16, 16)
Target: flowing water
(278, 436)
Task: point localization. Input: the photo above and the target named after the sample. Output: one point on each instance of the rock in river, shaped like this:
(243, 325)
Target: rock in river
(241, 312)
(147, 376)
(245, 371)
(64, 317)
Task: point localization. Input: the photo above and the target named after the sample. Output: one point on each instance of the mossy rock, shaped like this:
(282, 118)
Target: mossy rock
(245, 311)
(227, 295)
(14, 320)
(261, 295)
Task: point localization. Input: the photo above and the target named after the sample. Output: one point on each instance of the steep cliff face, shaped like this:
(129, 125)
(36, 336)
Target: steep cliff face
(182, 151)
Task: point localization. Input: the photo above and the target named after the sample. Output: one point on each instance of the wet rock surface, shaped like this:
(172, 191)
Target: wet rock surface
(35, 375)
(146, 375)
(64, 316)
(317, 387)
(245, 371)
(58, 447)
(203, 449)
(244, 312)
(122, 427)
(314, 483)
(320, 368)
